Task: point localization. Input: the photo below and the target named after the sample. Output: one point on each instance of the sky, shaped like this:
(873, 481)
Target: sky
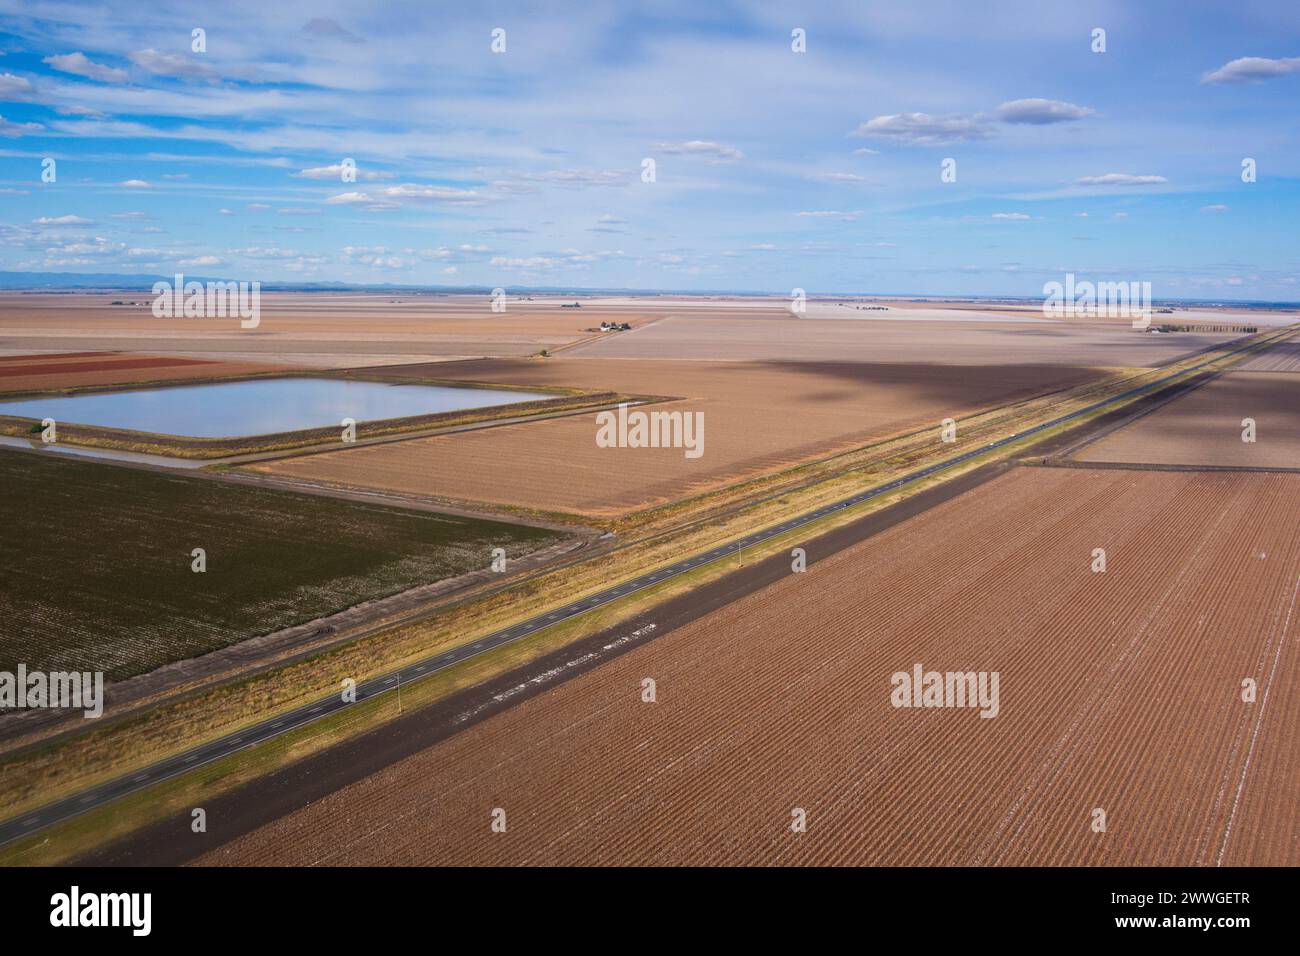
(773, 169)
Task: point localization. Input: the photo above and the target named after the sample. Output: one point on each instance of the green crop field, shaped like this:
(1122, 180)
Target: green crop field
(95, 561)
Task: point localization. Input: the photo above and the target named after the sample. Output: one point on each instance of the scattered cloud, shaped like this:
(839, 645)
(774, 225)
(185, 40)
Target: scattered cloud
(704, 149)
(829, 214)
(171, 64)
(135, 184)
(1215, 207)
(61, 221)
(1252, 69)
(845, 178)
(79, 64)
(1040, 111)
(8, 128)
(1120, 179)
(922, 129)
(15, 87)
(440, 194)
(331, 29)
(565, 177)
(1017, 216)
(335, 173)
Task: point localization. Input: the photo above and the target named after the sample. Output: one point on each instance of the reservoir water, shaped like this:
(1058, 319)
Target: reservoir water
(259, 406)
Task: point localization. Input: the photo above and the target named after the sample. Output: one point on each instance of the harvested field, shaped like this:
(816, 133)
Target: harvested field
(758, 336)
(98, 575)
(29, 373)
(320, 330)
(1119, 691)
(1204, 426)
(1283, 357)
(758, 417)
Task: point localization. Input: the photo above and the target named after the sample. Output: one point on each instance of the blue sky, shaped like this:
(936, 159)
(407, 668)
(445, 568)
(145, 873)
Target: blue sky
(774, 169)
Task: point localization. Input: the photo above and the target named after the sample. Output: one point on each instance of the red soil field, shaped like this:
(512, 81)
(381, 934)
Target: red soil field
(758, 417)
(1204, 426)
(25, 373)
(41, 368)
(1119, 691)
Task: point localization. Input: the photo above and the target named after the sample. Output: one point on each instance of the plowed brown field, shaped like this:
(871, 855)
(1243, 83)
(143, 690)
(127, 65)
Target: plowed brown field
(1204, 426)
(1283, 357)
(25, 373)
(983, 339)
(1119, 691)
(758, 417)
(308, 329)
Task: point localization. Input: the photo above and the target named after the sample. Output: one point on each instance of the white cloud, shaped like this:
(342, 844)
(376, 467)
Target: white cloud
(201, 261)
(331, 29)
(335, 173)
(265, 252)
(1216, 207)
(135, 184)
(79, 64)
(839, 178)
(350, 199)
(1248, 69)
(17, 129)
(922, 129)
(1017, 216)
(442, 194)
(704, 149)
(829, 214)
(171, 64)
(1120, 179)
(61, 221)
(15, 87)
(571, 177)
(1039, 111)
